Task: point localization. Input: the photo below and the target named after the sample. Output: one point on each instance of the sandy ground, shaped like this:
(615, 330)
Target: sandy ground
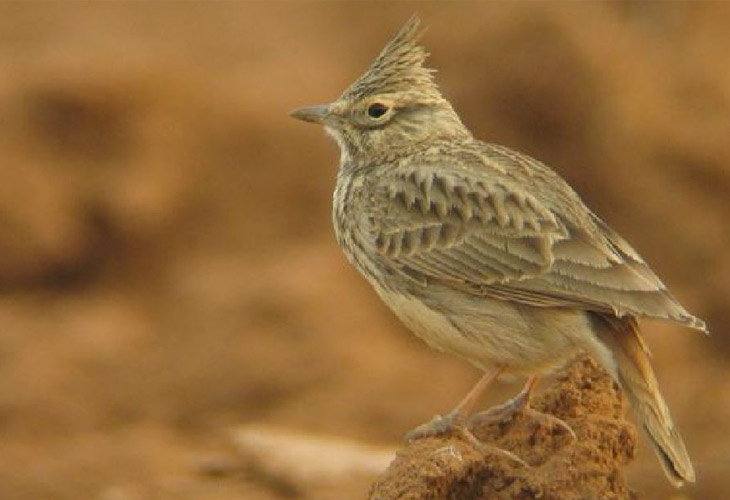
(167, 268)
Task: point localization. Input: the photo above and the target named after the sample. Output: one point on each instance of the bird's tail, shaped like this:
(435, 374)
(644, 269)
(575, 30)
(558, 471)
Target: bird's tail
(640, 385)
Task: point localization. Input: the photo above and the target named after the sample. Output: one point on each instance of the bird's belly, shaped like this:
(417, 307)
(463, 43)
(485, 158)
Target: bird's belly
(436, 329)
(489, 332)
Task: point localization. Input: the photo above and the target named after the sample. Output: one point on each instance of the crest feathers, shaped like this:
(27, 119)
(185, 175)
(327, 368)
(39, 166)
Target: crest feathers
(398, 68)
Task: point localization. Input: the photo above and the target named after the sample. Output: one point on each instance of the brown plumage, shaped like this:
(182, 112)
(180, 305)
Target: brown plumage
(642, 389)
(485, 252)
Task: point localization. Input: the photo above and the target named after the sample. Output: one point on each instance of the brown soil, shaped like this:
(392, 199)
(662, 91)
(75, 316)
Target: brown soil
(167, 266)
(559, 467)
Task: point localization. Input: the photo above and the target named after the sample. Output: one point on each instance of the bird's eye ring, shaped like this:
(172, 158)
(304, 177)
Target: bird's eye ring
(377, 109)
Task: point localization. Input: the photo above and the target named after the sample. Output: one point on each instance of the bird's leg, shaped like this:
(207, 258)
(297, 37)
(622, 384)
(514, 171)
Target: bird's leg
(520, 405)
(455, 421)
(512, 407)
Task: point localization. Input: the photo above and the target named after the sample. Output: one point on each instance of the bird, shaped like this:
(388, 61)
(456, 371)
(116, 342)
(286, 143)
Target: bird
(487, 253)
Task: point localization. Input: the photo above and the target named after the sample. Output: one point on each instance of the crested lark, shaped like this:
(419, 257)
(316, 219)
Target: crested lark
(485, 252)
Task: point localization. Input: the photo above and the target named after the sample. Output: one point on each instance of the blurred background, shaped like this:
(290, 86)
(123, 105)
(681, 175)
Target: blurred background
(167, 265)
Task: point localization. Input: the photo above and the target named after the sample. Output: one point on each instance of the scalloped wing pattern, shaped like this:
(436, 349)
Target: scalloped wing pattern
(481, 234)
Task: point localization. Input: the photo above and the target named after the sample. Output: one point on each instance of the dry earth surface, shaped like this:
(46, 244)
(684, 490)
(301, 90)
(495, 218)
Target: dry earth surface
(553, 464)
(167, 268)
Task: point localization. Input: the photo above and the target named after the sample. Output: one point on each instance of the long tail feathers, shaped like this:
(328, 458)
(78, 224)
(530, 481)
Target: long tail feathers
(640, 385)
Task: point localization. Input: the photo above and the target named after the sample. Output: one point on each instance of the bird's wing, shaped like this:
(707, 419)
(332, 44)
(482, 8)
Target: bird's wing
(480, 229)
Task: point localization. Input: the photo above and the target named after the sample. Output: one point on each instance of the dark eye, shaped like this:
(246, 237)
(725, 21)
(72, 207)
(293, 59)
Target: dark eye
(376, 110)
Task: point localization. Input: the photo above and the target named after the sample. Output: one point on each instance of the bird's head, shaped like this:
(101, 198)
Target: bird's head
(394, 104)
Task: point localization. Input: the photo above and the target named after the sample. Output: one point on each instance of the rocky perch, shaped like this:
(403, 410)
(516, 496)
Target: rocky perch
(560, 467)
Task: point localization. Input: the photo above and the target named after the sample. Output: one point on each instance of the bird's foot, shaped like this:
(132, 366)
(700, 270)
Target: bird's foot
(550, 421)
(519, 406)
(454, 424)
(439, 425)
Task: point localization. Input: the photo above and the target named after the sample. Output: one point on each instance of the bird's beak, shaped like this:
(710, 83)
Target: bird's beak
(313, 114)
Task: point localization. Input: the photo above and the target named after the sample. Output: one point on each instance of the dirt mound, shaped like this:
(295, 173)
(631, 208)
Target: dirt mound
(559, 466)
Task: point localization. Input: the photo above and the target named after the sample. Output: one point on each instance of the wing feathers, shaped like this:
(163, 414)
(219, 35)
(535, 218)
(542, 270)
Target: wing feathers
(529, 239)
